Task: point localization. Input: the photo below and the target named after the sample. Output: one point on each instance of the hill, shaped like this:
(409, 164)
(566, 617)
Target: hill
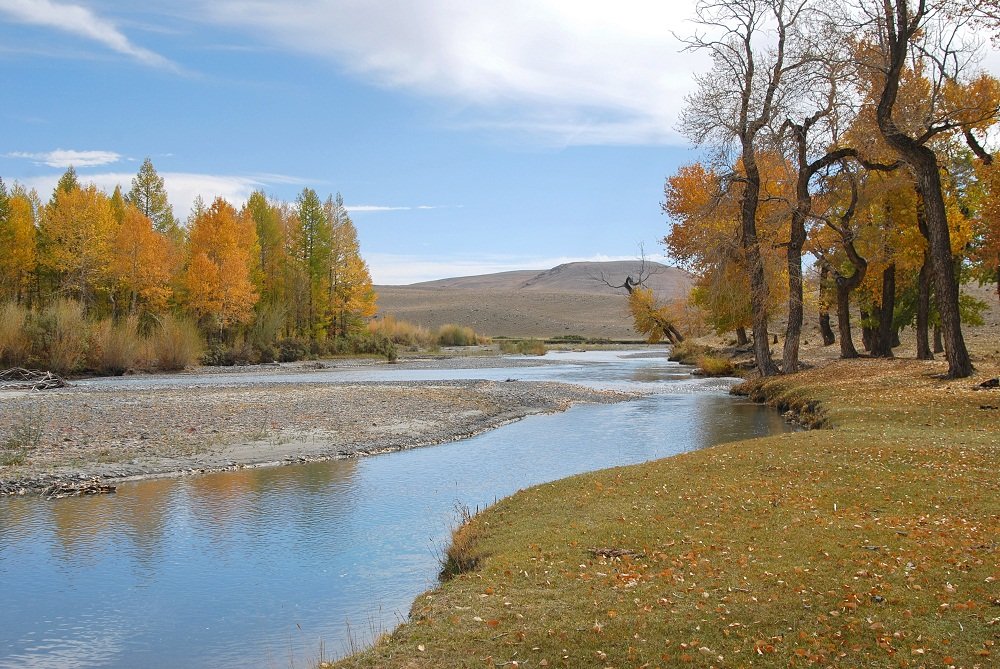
(570, 299)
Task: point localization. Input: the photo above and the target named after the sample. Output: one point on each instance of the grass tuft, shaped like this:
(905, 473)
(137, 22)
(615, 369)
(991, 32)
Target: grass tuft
(523, 347)
(715, 365)
(176, 344)
(462, 555)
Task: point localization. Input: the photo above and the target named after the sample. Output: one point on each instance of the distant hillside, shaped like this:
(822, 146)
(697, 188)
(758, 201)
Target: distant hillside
(571, 299)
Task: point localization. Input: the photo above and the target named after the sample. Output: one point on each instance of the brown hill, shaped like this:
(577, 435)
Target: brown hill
(571, 299)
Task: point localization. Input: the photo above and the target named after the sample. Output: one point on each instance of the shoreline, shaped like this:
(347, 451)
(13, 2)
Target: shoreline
(120, 434)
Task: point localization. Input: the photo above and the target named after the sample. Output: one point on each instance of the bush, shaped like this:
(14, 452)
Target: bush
(176, 344)
(62, 336)
(114, 347)
(221, 354)
(687, 352)
(714, 365)
(15, 338)
(292, 349)
(523, 347)
(456, 335)
(364, 343)
(463, 554)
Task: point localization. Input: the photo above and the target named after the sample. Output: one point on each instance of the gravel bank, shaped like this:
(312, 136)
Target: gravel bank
(164, 431)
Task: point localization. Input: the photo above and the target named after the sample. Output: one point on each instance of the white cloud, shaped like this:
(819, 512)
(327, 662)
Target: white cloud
(81, 21)
(182, 187)
(390, 269)
(378, 208)
(66, 157)
(582, 71)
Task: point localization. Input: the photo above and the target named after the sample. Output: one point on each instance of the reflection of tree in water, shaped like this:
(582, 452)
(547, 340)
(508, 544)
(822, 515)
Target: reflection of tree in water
(143, 510)
(292, 500)
(82, 524)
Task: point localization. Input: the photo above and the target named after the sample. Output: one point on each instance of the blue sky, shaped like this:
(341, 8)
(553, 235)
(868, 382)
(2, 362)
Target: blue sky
(465, 137)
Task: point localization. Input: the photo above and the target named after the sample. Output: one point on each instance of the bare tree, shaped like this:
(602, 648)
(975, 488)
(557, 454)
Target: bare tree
(756, 48)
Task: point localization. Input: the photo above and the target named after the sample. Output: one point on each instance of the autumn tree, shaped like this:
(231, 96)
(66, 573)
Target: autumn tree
(736, 101)
(351, 295)
(986, 243)
(140, 265)
(902, 34)
(313, 252)
(218, 280)
(18, 241)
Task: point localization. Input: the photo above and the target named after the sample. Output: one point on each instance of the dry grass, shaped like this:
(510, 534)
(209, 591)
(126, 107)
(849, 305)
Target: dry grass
(401, 332)
(15, 342)
(714, 365)
(457, 335)
(176, 344)
(523, 346)
(872, 544)
(63, 329)
(115, 347)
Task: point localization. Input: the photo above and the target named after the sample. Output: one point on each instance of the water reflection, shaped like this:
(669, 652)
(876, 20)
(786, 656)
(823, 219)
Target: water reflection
(258, 566)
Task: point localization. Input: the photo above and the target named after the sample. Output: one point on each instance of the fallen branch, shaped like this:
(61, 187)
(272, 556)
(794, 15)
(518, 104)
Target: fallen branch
(19, 378)
(71, 489)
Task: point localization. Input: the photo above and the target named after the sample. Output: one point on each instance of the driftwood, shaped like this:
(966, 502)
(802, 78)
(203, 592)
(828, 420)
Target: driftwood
(18, 378)
(75, 489)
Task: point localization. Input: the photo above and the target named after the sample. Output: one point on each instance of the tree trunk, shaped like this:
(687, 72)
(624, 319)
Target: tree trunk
(793, 329)
(938, 341)
(847, 349)
(824, 313)
(882, 342)
(824, 327)
(741, 336)
(924, 310)
(868, 333)
(755, 263)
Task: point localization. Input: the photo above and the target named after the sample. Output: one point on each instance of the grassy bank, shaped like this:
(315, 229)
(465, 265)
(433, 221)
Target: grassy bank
(874, 543)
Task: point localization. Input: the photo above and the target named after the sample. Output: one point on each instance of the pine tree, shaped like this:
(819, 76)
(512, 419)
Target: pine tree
(149, 196)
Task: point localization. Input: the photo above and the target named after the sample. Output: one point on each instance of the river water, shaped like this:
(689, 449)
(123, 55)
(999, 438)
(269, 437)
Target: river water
(281, 567)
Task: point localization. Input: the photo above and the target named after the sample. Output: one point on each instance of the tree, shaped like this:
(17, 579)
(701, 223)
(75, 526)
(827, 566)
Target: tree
(314, 249)
(986, 243)
(18, 240)
(218, 280)
(351, 296)
(736, 101)
(140, 264)
(149, 196)
(73, 247)
(903, 34)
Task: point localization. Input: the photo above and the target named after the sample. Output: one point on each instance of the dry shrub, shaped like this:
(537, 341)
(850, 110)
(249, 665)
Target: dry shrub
(15, 340)
(714, 365)
(63, 333)
(687, 352)
(176, 344)
(115, 347)
(401, 332)
(456, 335)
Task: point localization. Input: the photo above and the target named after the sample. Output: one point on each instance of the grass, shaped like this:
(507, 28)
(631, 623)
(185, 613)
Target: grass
(115, 347)
(458, 335)
(715, 365)
(23, 435)
(870, 544)
(176, 344)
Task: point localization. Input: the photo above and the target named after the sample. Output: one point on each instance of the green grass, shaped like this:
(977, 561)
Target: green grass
(875, 543)
(523, 347)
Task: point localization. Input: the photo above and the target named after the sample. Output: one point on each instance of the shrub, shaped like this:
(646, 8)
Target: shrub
(221, 354)
(62, 336)
(400, 332)
(292, 349)
(714, 365)
(114, 347)
(456, 335)
(15, 338)
(365, 343)
(176, 344)
(523, 346)
(687, 352)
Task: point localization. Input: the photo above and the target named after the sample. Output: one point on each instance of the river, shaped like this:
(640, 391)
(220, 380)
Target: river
(281, 567)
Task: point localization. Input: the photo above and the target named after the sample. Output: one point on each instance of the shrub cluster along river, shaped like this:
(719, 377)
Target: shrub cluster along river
(276, 567)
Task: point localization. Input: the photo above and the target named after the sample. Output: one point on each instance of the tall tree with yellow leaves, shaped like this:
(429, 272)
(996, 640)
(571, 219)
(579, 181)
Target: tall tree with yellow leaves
(140, 265)
(17, 239)
(219, 278)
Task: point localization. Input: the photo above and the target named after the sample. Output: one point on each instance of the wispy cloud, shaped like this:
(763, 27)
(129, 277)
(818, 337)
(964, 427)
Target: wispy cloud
(81, 21)
(182, 187)
(579, 72)
(67, 157)
(377, 208)
(389, 269)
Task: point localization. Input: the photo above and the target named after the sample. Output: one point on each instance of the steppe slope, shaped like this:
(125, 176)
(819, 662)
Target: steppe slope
(571, 299)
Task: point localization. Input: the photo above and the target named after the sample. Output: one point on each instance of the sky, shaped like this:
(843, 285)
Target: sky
(465, 137)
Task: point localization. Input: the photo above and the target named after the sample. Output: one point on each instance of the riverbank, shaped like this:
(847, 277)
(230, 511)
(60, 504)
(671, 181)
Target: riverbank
(870, 543)
(175, 425)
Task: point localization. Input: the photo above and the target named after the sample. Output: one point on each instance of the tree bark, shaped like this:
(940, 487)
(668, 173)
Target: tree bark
(755, 263)
(847, 349)
(938, 341)
(741, 336)
(924, 310)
